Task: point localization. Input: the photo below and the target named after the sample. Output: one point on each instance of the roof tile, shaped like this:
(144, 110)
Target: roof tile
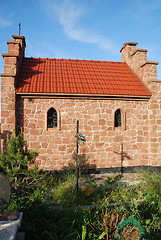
(66, 76)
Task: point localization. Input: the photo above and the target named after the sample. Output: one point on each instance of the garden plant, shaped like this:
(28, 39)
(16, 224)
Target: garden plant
(53, 210)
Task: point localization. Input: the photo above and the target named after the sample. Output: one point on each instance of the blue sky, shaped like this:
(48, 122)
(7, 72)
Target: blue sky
(82, 29)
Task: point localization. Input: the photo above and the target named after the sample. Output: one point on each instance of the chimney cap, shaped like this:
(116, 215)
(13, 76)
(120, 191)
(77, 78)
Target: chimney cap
(9, 55)
(128, 43)
(19, 37)
(150, 62)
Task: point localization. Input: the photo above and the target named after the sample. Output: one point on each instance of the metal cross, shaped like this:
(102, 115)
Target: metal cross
(19, 28)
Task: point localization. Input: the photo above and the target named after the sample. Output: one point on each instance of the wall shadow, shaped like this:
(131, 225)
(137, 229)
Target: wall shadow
(19, 114)
(29, 67)
(4, 137)
(123, 155)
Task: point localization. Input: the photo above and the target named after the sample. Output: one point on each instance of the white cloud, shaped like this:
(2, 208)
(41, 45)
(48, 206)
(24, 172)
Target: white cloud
(4, 22)
(69, 16)
(5, 18)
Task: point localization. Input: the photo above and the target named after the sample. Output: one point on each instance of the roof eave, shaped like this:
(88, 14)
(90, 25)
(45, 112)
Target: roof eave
(72, 95)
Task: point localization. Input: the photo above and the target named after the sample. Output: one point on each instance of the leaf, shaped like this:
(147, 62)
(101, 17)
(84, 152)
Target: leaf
(84, 231)
(102, 235)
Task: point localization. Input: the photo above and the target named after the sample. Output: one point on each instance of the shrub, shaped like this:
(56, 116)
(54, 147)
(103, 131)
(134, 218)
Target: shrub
(16, 159)
(28, 184)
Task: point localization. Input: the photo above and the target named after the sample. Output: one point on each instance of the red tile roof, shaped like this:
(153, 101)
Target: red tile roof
(66, 76)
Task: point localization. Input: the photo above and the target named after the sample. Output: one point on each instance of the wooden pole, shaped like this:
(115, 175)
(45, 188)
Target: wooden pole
(122, 159)
(77, 150)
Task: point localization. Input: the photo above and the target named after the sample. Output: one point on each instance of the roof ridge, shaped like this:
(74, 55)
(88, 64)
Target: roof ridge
(75, 60)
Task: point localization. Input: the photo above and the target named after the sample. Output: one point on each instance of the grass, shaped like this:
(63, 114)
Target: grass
(41, 221)
(90, 192)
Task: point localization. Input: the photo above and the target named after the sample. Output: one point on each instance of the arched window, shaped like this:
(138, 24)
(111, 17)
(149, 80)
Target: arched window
(52, 120)
(118, 120)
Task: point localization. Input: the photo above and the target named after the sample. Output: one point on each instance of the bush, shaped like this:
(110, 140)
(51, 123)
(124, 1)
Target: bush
(28, 184)
(16, 159)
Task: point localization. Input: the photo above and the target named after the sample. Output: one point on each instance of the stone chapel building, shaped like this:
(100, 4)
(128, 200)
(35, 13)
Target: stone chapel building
(118, 105)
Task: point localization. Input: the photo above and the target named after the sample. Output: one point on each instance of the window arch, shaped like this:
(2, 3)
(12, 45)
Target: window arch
(52, 118)
(118, 118)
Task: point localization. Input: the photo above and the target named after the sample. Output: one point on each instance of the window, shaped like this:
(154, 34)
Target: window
(118, 120)
(52, 118)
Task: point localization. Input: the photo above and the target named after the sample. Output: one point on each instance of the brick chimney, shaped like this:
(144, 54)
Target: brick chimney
(147, 72)
(12, 61)
(137, 60)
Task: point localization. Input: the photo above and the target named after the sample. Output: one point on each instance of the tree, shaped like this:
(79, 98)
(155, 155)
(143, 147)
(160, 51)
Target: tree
(15, 161)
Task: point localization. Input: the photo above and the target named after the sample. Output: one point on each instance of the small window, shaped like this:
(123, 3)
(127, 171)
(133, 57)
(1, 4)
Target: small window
(52, 118)
(118, 120)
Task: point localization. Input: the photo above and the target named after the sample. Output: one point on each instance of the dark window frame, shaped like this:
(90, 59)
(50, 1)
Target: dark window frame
(118, 118)
(52, 118)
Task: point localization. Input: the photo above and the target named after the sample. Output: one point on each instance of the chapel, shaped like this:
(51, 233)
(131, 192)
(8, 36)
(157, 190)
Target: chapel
(117, 104)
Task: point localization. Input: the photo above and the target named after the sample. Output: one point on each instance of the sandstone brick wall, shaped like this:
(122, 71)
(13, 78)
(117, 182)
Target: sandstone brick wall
(103, 142)
(155, 124)
(8, 120)
(12, 60)
(140, 134)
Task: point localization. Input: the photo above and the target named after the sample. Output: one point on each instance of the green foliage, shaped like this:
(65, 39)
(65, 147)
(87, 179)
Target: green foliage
(64, 191)
(28, 184)
(110, 180)
(84, 231)
(36, 191)
(82, 162)
(101, 223)
(128, 193)
(15, 160)
(42, 222)
(152, 190)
